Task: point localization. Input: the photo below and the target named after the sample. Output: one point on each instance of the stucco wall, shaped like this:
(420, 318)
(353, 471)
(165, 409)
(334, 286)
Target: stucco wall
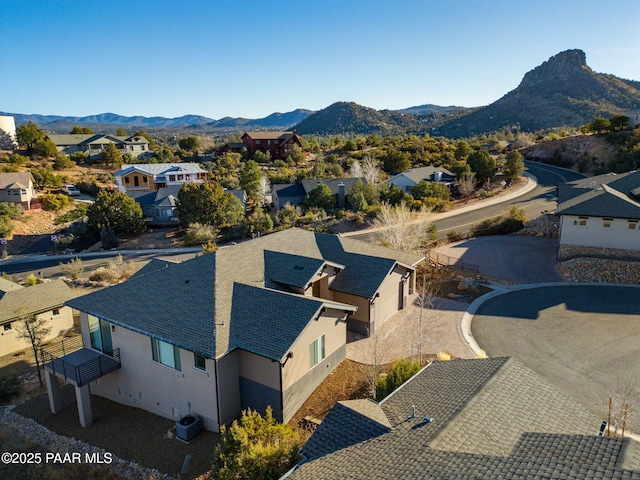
(146, 384)
(594, 234)
(402, 182)
(60, 324)
(387, 302)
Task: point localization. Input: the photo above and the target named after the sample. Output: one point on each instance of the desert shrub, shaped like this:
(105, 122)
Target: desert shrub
(116, 271)
(79, 212)
(454, 236)
(89, 187)
(17, 160)
(32, 280)
(73, 268)
(209, 247)
(199, 234)
(11, 210)
(509, 222)
(256, 447)
(62, 162)
(10, 386)
(443, 356)
(401, 371)
(55, 201)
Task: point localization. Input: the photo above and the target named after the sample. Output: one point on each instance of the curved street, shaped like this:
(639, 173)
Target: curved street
(583, 338)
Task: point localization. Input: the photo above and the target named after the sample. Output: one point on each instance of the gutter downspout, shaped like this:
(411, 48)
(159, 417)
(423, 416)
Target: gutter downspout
(215, 365)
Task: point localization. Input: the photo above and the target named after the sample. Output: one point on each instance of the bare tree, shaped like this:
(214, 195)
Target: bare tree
(466, 185)
(33, 329)
(426, 301)
(356, 169)
(401, 229)
(264, 188)
(371, 170)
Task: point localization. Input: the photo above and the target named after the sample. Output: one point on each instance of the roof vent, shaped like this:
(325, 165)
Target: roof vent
(298, 267)
(413, 412)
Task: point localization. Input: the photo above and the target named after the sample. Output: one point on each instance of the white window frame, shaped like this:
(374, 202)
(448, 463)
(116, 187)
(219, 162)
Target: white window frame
(317, 352)
(166, 354)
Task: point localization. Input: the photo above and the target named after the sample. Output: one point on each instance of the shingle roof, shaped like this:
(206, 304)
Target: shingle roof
(607, 195)
(289, 190)
(8, 286)
(206, 290)
(269, 135)
(483, 413)
(293, 270)
(348, 423)
(332, 183)
(160, 168)
(36, 299)
(420, 173)
(78, 139)
(6, 179)
(163, 197)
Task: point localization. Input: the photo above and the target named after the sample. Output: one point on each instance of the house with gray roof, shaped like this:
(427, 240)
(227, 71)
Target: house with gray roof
(410, 178)
(600, 215)
(138, 178)
(296, 193)
(252, 325)
(467, 419)
(160, 207)
(45, 301)
(18, 187)
(92, 145)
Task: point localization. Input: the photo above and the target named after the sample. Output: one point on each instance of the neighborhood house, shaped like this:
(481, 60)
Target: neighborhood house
(600, 215)
(413, 176)
(277, 144)
(247, 326)
(467, 419)
(92, 145)
(295, 193)
(44, 301)
(150, 177)
(18, 188)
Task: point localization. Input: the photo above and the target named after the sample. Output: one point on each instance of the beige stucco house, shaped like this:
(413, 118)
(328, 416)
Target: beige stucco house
(45, 301)
(600, 215)
(17, 188)
(252, 325)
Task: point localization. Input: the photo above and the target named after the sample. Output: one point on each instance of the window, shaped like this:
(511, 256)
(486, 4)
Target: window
(316, 351)
(172, 178)
(144, 179)
(582, 221)
(257, 142)
(606, 222)
(6, 327)
(100, 334)
(632, 225)
(126, 179)
(166, 354)
(199, 362)
(56, 311)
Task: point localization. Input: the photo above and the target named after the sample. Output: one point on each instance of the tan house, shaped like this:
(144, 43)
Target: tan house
(18, 188)
(45, 301)
(253, 325)
(150, 177)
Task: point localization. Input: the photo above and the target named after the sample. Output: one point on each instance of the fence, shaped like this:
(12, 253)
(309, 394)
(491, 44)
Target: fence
(452, 262)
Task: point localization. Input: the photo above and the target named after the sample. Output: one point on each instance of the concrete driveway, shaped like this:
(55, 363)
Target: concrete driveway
(518, 258)
(585, 339)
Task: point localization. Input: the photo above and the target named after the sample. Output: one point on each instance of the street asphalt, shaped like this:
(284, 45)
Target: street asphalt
(584, 339)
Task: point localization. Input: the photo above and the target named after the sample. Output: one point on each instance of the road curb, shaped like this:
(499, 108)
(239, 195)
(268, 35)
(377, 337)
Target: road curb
(467, 316)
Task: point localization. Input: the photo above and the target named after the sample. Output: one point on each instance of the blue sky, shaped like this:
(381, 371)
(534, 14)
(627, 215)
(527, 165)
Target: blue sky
(252, 58)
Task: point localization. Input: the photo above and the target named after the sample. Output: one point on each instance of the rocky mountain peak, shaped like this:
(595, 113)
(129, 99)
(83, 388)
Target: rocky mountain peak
(563, 65)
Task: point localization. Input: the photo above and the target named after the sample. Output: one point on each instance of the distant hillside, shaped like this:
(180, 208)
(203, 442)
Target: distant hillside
(351, 118)
(62, 124)
(562, 91)
(430, 108)
(275, 120)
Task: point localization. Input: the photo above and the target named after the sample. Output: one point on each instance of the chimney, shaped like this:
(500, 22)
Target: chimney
(342, 189)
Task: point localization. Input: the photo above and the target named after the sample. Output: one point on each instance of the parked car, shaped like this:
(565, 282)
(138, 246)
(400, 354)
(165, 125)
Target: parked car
(70, 190)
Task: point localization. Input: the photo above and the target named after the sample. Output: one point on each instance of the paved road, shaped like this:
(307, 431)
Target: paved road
(583, 338)
(541, 198)
(517, 258)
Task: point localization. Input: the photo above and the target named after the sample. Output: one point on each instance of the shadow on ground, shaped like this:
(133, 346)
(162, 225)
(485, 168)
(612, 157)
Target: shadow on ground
(127, 432)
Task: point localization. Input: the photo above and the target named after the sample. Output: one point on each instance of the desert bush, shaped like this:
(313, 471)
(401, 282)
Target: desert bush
(443, 356)
(199, 234)
(116, 271)
(11, 210)
(79, 212)
(73, 269)
(509, 222)
(55, 201)
(454, 236)
(401, 371)
(89, 187)
(63, 162)
(32, 280)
